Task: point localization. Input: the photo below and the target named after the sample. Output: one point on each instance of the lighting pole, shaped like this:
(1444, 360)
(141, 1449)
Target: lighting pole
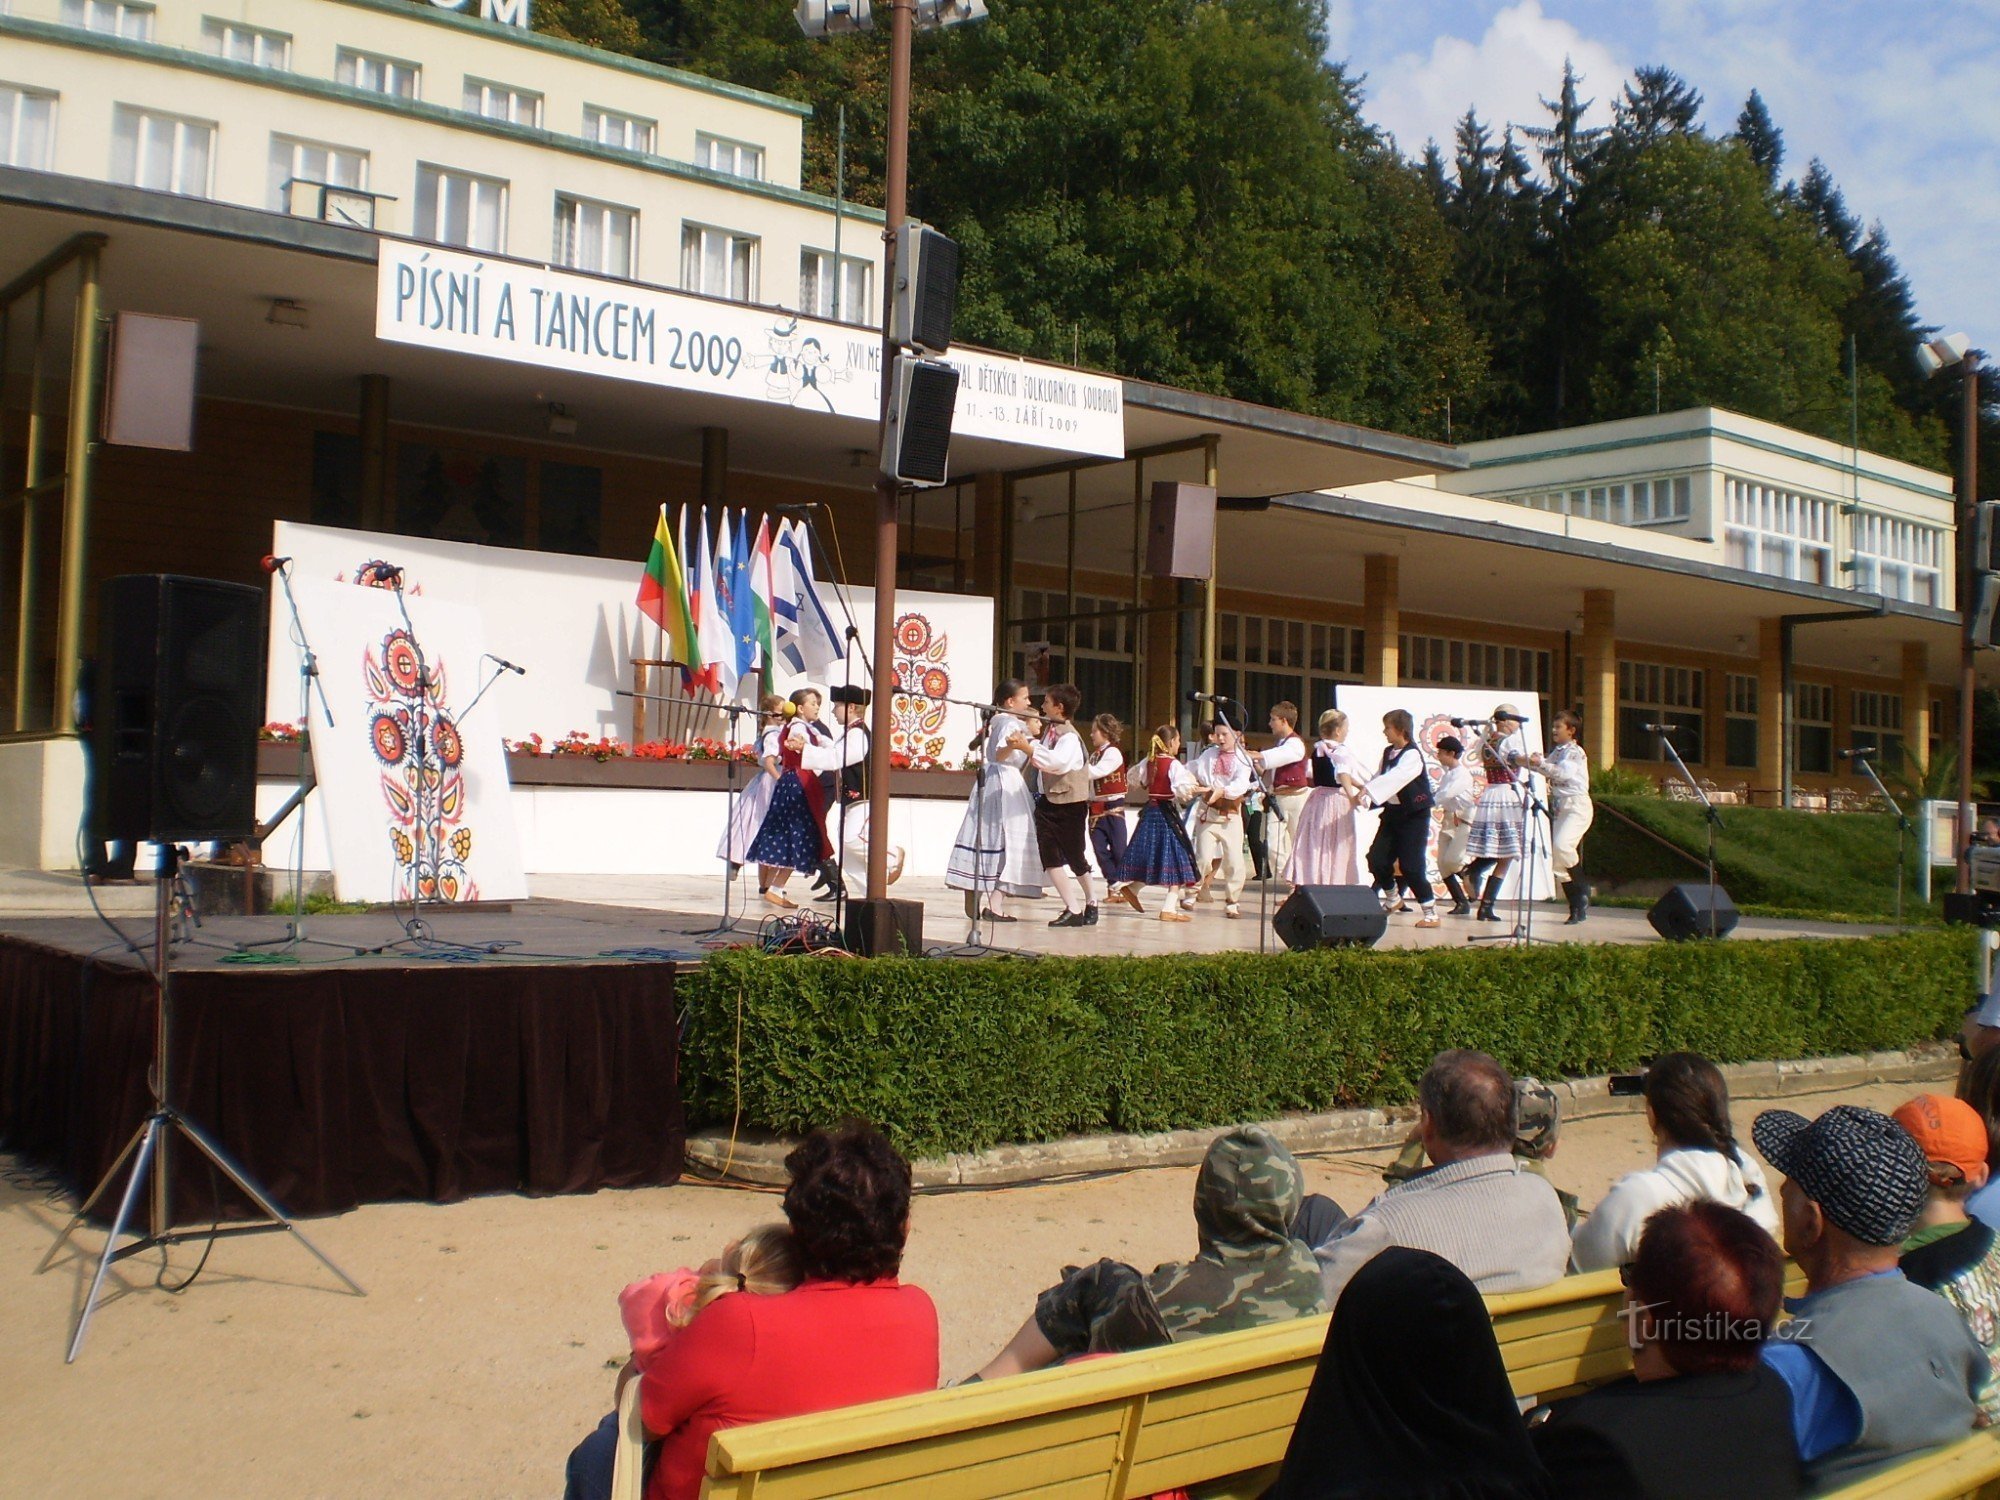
(1938, 354)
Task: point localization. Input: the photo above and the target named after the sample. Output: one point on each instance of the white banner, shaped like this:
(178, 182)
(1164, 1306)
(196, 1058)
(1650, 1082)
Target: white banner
(500, 309)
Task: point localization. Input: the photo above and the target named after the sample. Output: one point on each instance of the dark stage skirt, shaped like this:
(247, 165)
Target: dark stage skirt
(1158, 853)
(793, 834)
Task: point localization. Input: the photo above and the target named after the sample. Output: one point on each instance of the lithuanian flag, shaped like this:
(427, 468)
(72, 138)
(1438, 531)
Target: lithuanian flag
(663, 598)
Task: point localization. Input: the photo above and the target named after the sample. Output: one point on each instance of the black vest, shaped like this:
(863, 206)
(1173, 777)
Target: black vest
(854, 778)
(1414, 800)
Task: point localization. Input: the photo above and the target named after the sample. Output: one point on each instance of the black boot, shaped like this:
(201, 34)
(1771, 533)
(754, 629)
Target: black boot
(1461, 904)
(1578, 890)
(1488, 897)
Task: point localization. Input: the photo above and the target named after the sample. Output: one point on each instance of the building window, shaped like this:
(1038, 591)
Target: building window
(1653, 693)
(1632, 502)
(458, 208)
(496, 101)
(1876, 719)
(315, 162)
(608, 127)
(823, 294)
(163, 152)
(246, 44)
(719, 262)
(1473, 664)
(596, 236)
(1739, 727)
(1099, 653)
(1262, 659)
(112, 17)
(378, 75)
(1899, 559)
(737, 158)
(1812, 734)
(27, 127)
(1777, 532)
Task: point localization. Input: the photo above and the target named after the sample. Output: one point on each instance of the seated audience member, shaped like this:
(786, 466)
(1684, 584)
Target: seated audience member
(1948, 1252)
(1701, 1417)
(1878, 1367)
(1687, 1109)
(1479, 1206)
(1537, 1133)
(1248, 1270)
(1979, 1086)
(849, 1332)
(764, 1261)
(1410, 1400)
(1979, 1034)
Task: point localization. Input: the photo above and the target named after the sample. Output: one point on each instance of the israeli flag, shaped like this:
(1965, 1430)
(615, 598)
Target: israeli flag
(807, 639)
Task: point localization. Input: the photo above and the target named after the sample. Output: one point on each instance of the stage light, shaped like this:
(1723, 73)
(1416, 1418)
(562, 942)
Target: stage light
(561, 423)
(1946, 349)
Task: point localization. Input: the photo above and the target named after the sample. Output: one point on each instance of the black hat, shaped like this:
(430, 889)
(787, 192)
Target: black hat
(1451, 742)
(842, 693)
(1858, 1165)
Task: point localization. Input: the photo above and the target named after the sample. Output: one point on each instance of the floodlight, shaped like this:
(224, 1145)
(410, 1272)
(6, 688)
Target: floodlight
(1947, 349)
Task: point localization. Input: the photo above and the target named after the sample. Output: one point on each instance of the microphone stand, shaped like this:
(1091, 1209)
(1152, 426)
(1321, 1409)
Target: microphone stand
(1903, 827)
(1714, 817)
(727, 923)
(1222, 712)
(498, 672)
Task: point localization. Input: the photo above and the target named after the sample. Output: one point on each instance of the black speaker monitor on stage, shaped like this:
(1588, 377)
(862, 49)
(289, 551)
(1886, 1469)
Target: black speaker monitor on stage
(1330, 916)
(1684, 913)
(180, 695)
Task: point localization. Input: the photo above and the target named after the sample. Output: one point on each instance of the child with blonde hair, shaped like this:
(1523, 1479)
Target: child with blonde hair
(1159, 853)
(765, 1261)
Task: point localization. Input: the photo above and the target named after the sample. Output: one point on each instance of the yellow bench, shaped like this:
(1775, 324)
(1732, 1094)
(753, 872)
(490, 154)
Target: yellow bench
(1214, 1414)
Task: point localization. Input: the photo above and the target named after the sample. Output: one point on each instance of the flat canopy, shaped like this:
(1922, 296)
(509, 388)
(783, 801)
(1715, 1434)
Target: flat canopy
(224, 265)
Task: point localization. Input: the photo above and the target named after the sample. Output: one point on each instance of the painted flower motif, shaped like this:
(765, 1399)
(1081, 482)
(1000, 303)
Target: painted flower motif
(400, 661)
(450, 747)
(461, 844)
(937, 682)
(400, 841)
(913, 634)
(387, 737)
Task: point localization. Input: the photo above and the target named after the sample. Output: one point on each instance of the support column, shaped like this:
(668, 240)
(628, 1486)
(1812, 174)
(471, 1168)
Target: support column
(1209, 478)
(1773, 713)
(83, 381)
(714, 465)
(377, 512)
(1600, 677)
(1381, 619)
(988, 495)
(1916, 703)
(28, 601)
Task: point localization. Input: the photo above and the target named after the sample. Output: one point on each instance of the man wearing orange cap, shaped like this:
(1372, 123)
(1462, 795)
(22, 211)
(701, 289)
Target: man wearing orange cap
(1948, 1251)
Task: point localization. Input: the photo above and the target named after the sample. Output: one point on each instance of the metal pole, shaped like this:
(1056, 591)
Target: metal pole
(1069, 588)
(896, 183)
(76, 491)
(1137, 624)
(1968, 684)
(31, 562)
(839, 214)
(1208, 468)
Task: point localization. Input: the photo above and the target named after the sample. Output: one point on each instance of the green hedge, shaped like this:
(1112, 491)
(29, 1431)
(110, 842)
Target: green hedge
(962, 1056)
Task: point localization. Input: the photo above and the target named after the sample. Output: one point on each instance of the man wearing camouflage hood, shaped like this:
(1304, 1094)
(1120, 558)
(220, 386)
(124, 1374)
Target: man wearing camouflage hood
(1248, 1271)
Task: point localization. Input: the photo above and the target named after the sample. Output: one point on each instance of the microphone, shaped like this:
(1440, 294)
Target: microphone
(388, 573)
(1201, 697)
(1857, 750)
(1660, 728)
(1469, 723)
(1510, 718)
(503, 663)
(272, 564)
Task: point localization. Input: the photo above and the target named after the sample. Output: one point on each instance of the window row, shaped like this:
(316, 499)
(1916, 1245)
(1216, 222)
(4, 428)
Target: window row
(261, 47)
(1777, 532)
(1632, 502)
(1473, 664)
(1652, 695)
(1899, 559)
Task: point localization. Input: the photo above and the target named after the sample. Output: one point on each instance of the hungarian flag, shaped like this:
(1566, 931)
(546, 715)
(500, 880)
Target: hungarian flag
(711, 627)
(761, 582)
(663, 596)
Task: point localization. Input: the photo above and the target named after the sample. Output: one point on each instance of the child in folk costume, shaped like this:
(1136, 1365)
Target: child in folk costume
(1225, 776)
(845, 758)
(793, 836)
(1402, 790)
(1495, 842)
(1326, 850)
(1108, 834)
(1287, 762)
(1570, 808)
(995, 855)
(1455, 800)
(755, 799)
(1062, 807)
(1160, 853)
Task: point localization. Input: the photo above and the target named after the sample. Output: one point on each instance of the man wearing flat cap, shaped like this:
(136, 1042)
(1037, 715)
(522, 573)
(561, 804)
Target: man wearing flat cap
(1878, 1367)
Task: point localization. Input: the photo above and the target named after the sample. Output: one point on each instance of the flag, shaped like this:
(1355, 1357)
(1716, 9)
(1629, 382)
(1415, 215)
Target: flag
(760, 592)
(816, 639)
(785, 602)
(718, 655)
(742, 608)
(663, 595)
(692, 673)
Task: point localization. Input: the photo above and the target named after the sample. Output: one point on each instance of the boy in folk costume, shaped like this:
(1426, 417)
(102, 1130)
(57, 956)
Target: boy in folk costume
(1285, 761)
(1062, 810)
(1107, 807)
(1455, 800)
(1571, 810)
(1402, 792)
(1224, 774)
(846, 757)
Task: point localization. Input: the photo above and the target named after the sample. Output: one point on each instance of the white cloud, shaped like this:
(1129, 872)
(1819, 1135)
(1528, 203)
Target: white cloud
(1504, 74)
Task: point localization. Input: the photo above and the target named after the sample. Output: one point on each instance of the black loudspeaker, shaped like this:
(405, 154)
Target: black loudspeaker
(885, 929)
(1180, 532)
(1684, 913)
(180, 695)
(1330, 916)
(916, 448)
(926, 302)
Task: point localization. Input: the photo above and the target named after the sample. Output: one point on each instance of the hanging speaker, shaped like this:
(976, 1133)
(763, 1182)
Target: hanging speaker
(1330, 916)
(916, 445)
(180, 695)
(149, 392)
(926, 302)
(1180, 536)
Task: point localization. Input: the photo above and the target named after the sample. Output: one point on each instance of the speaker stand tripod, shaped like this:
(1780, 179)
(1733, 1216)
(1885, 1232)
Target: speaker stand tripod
(151, 1141)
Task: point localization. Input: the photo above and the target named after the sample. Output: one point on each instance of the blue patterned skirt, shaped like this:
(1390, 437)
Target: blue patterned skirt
(791, 835)
(1158, 853)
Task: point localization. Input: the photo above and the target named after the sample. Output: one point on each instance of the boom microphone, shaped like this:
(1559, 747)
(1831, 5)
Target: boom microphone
(1857, 750)
(1200, 697)
(1660, 728)
(272, 564)
(1469, 723)
(506, 665)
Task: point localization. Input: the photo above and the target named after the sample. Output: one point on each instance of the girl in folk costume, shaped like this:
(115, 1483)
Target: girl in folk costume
(1496, 821)
(794, 833)
(996, 855)
(1325, 848)
(1108, 834)
(1160, 853)
(1571, 811)
(755, 800)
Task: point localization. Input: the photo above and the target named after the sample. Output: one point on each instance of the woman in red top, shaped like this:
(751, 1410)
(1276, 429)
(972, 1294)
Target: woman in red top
(850, 1332)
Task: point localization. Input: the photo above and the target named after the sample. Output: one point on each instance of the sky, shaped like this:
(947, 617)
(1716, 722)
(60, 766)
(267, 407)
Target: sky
(1901, 100)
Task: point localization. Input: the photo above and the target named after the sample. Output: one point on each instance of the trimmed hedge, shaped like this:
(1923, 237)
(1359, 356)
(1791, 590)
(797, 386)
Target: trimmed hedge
(962, 1056)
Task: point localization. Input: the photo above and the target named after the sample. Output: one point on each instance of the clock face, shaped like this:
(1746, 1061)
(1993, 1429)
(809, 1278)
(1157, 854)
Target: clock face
(354, 209)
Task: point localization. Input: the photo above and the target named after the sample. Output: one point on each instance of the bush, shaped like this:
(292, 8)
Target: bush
(962, 1056)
